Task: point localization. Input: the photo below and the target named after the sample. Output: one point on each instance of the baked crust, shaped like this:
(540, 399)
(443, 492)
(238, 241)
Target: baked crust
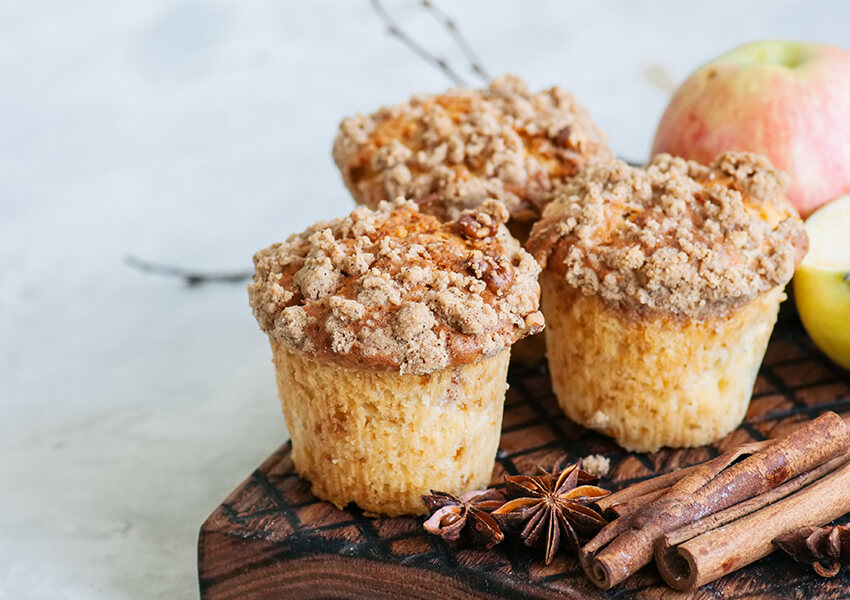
(452, 151)
(383, 439)
(395, 289)
(675, 237)
(653, 382)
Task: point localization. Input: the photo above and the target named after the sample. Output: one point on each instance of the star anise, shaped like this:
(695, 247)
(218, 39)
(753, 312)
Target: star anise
(825, 548)
(467, 517)
(552, 503)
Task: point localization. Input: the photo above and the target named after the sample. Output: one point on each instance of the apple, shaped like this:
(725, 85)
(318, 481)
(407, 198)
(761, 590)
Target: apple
(822, 282)
(789, 101)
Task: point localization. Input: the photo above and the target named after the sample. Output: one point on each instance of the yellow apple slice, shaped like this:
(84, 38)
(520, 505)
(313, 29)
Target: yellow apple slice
(822, 282)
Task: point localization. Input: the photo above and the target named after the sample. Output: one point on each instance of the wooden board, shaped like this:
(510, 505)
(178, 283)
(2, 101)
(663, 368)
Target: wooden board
(271, 538)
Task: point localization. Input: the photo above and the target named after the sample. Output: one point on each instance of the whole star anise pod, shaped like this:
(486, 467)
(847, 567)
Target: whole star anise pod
(825, 548)
(467, 517)
(554, 505)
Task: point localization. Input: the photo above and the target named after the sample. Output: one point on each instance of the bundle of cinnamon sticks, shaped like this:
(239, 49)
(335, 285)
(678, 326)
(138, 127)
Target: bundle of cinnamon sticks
(708, 520)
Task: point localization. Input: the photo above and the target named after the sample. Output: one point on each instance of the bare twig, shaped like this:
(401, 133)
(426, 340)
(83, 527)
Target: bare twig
(190, 278)
(474, 62)
(395, 30)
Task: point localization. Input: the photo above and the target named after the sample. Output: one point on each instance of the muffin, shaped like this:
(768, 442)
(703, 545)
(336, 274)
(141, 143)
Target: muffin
(660, 289)
(391, 334)
(452, 151)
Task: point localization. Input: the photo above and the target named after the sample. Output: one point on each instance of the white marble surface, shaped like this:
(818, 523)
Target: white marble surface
(195, 132)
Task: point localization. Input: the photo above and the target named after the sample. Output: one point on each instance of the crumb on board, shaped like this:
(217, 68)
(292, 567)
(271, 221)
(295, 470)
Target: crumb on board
(596, 464)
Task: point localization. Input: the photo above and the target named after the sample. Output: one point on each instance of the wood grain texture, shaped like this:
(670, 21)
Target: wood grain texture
(271, 538)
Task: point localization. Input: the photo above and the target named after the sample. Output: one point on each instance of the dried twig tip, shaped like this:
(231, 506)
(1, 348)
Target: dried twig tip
(189, 277)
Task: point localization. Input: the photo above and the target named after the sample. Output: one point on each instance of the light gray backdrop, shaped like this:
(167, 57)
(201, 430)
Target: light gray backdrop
(195, 133)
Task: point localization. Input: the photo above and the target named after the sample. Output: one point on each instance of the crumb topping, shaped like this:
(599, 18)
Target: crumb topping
(396, 289)
(451, 152)
(676, 236)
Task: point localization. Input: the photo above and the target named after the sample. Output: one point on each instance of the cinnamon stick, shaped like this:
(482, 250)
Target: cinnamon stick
(642, 488)
(720, 551)
(708, 490)
(696, 480)
(640, 494)
(695, 474)
(621, 509)
(733, 513)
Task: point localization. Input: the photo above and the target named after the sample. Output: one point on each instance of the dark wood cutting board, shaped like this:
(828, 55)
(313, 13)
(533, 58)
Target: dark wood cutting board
(271, 538)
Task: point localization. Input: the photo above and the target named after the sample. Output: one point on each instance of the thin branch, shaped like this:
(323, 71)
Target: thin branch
(190, 278)
(474, 62)
(395, 30)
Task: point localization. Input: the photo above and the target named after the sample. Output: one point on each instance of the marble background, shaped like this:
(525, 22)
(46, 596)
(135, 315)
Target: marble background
(194, 133)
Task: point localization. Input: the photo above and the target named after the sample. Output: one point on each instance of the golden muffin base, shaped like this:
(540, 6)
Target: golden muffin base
(653, 381)
(382, 439)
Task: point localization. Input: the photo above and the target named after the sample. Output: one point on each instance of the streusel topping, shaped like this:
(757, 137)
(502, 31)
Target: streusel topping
(396, 289)
(676, 237)
(451, 152)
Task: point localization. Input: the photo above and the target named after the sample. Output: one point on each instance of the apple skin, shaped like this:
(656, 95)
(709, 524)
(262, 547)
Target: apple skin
(789, 101)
